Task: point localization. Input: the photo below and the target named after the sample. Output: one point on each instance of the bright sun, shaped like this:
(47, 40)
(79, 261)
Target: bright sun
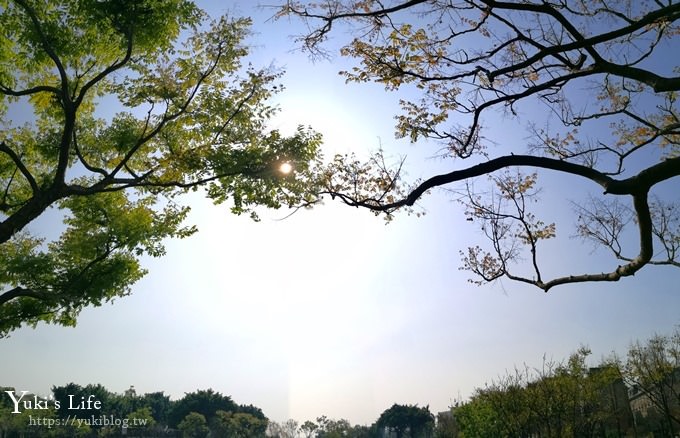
(286, 168)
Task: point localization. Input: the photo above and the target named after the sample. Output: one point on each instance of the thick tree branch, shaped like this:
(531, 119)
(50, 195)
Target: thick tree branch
(485, 168)
(643, 181)
(19, 292)
(28, 212)
(28, 91)
(65, 146)
(646, 251)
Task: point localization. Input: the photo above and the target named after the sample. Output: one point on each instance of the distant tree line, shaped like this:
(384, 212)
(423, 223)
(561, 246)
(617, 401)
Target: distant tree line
(638, 395)
(398, 421)
(195, 415)
(199, 414)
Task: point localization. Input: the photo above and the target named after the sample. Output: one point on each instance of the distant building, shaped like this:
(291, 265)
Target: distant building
(614, 400)
(656, 410)
(446, 425)
(130, 392)
(640, 402)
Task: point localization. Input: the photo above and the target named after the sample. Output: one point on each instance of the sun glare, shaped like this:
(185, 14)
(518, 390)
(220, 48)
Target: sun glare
(286, 168)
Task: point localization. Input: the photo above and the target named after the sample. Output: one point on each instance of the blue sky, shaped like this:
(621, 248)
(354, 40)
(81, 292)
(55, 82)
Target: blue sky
(332, 312)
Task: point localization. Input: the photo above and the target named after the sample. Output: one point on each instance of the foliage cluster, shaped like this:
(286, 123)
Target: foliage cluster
(638, 394)
(194, 415)
(189, 114)
(635, 396)
(109, 110)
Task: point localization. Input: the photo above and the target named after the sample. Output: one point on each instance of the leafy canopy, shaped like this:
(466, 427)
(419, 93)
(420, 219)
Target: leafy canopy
(109, 109)
(403, 419)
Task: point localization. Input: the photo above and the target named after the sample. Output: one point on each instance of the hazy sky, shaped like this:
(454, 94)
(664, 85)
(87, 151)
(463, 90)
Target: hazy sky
(332, 312)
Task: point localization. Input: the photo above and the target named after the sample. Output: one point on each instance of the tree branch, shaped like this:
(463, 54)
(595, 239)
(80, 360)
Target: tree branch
(20, 165)
(482, 169)
(45, 43)
(19, 291)
(646, 251)
(28, 91)
(108, 70)
(87, 165)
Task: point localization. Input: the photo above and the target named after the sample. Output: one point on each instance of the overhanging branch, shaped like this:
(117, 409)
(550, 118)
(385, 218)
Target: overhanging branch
(482, 169)
(19, 292)
(646, 251)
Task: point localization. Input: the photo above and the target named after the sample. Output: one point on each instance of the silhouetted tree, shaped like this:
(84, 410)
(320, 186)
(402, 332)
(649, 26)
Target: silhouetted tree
(204, 402)
(407, 421)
